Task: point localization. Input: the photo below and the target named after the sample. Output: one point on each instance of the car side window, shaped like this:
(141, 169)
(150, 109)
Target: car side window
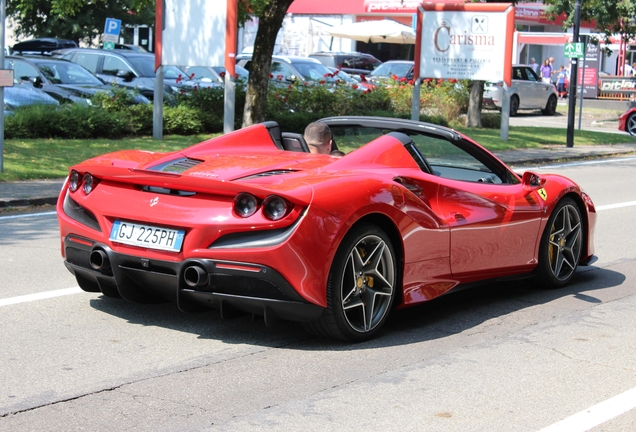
(531, 75)
(281, 72)
(450, 161)
(89, 61)
(22, 70)
(518, 74)
(112, 65)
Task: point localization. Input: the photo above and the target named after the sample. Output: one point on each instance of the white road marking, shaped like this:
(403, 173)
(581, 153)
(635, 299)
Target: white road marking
(40, 296)
(572, 164)
(27, 215)
(596, 415)
(613, 206)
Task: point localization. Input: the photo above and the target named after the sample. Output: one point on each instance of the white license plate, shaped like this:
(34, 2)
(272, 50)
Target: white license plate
(147, 236)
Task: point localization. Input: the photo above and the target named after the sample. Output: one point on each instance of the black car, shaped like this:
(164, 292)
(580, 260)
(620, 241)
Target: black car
(61, 79)
(350, 62)
(131, 69)
(42, 45)
(291, 68)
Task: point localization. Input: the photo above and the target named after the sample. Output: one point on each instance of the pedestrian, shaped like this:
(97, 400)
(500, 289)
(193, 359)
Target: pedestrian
(546, 72)
(634, 69)
(555, 71)
(562, 77)
(534, 65)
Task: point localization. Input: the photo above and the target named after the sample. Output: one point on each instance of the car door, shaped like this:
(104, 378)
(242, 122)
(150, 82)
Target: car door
(494, 222)
(523, 88)
(540, 90)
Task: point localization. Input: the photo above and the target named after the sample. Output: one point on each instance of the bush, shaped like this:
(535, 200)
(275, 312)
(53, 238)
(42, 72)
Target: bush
(69, 121)
(182, 120)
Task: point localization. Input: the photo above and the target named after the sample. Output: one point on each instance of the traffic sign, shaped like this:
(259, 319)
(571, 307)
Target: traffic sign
(574, 49)
(112, 27)
(109, 45)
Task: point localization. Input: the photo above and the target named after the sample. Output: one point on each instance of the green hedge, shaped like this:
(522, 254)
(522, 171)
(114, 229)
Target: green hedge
(292, 106)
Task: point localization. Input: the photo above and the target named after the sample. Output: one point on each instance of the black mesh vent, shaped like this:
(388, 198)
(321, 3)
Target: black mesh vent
(176, 166)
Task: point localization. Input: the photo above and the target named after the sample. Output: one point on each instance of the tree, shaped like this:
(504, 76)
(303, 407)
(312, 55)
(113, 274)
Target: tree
(270, 15)
(611, 17)
(79, 20)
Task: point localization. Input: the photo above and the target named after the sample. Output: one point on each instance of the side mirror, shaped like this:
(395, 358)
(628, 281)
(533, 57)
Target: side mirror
(36, 81)
(125, 75)
(532, 180)
(292, 78)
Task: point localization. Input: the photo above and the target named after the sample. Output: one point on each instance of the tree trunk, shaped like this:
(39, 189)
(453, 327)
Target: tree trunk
(473, 116)
(269, 24)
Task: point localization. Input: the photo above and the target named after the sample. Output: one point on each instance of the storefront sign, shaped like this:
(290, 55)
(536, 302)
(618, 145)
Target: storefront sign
(470, 41)
(588, 72)
(618, 85)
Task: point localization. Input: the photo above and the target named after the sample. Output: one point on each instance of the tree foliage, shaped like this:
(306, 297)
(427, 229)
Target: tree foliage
(610, 16)
(79, 20)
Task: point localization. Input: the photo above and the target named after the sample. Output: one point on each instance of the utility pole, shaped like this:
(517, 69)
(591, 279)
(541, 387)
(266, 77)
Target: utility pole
(573, 77)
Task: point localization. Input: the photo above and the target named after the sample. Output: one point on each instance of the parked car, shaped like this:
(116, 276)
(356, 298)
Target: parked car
(393, 68)
(130, 68)
(61, 79)
(527, 92)
(213, 73)
(290, 68)
(354, 63)
(627, 121)
(252, 222)
(22, 95)
(131, 47)
(42, 45)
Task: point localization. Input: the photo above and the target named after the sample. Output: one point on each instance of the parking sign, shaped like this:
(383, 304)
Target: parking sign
(112, 27)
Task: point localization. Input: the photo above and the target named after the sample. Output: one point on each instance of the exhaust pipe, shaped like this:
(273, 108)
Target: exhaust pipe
(99, 260)
(195, 276)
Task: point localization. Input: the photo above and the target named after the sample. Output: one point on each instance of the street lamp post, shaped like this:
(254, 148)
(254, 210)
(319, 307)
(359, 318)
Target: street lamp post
(573, 78)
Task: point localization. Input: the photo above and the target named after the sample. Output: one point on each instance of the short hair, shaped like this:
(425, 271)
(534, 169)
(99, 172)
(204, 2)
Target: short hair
(316, 133)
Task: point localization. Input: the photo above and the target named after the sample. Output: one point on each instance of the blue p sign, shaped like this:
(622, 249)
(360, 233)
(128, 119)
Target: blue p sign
(112, 27)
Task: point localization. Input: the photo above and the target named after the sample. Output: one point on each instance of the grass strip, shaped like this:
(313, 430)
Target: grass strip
(50, 158)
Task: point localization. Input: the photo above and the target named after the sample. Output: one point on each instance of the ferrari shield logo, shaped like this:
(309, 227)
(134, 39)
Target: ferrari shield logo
(543, 194)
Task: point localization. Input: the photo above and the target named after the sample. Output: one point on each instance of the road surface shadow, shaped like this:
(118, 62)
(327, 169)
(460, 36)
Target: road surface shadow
(448, 315)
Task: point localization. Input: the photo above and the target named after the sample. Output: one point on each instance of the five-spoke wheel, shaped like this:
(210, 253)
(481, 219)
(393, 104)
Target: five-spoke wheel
(630, 126)
(561, 245)
(361, 286)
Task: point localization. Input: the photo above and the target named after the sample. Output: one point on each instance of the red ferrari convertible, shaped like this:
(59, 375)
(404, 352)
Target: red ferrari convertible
(251, 222)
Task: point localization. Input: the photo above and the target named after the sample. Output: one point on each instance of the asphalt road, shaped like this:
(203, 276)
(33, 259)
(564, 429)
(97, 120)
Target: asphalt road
(501, 357)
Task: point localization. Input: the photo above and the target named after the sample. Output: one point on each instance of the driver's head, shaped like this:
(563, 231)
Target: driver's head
(318, 137)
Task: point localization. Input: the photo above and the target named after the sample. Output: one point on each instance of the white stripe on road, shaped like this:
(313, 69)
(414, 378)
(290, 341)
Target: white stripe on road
(613, 206)
(27, 215)
(572, 164)
(40, 296)
(596, 415)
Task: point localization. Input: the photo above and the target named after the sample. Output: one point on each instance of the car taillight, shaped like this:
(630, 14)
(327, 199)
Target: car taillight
(74, 181)
(245, 205)
(275, 207)
(89, 183)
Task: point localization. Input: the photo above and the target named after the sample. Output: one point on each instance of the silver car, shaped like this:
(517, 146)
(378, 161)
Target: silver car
(527, 92)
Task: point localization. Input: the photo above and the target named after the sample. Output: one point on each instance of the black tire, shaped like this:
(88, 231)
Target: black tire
(561, 245)
(514, 105)
(550, 107)
(630, 125)
(364, 271)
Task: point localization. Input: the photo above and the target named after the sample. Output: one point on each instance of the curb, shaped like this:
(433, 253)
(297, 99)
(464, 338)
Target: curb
(28, 202)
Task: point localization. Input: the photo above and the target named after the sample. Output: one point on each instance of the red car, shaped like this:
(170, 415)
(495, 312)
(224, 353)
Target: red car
(251, 222)
(627, 121)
